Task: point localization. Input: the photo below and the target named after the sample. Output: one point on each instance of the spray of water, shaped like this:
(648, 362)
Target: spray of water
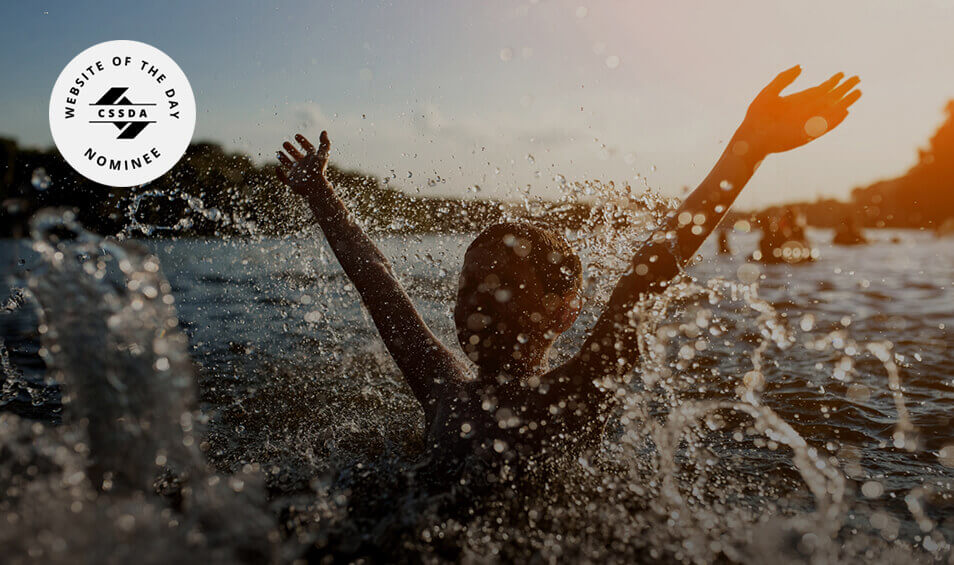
(127, 465)
(699, 465)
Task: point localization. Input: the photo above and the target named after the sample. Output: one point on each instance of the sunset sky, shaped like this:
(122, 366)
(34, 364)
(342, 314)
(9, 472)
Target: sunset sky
(467, 91)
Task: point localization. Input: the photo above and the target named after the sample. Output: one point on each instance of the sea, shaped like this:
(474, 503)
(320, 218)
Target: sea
(229, 400)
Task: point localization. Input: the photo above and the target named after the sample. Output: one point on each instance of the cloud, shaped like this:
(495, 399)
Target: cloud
(309, 115)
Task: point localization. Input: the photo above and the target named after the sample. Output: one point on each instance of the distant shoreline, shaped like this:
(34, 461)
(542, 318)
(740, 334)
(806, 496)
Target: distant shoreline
(212, 193)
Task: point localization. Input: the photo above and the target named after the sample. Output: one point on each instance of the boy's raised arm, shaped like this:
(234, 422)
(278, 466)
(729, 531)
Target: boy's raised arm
(773, 124)
(422, 358)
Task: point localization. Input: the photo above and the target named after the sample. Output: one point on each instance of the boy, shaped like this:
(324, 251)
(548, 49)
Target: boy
(520, 289)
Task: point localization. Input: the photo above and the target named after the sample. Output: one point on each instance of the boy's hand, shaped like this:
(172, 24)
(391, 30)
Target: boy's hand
(776, 123)
(306, 172)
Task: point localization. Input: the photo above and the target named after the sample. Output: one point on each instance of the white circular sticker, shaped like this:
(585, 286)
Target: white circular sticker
(122, 113)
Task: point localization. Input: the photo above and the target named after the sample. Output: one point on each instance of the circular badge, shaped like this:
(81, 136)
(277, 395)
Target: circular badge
(122, 113)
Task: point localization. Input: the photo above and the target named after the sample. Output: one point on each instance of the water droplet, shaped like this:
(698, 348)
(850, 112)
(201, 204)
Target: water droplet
(754, 380)
(313, 317)
(40, 179)
(748, 273)
(872, 489)
(816, 126)
(946, 455)
(807, 323)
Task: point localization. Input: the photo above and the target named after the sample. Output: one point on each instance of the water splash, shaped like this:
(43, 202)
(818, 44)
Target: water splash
(682, 476)
(225, 223)
(120, 326)
(131, 421)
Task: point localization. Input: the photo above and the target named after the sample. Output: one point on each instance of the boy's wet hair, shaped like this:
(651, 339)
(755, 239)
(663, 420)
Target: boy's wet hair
(550, 255)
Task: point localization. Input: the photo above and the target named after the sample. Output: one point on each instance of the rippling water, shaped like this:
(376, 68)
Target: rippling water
(305, 420)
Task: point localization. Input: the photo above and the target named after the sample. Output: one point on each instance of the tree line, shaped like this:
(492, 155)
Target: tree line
(212, 192)
(922, 197)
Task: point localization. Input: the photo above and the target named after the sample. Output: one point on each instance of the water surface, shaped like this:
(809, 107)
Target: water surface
(295, 391)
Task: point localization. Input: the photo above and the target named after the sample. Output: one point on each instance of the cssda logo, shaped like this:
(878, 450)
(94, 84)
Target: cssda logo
(122, 113)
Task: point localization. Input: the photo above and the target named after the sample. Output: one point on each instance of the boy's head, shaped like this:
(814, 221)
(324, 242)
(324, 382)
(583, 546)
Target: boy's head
(519, 290)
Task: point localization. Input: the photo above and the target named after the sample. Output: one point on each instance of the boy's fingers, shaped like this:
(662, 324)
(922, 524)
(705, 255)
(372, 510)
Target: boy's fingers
(783, 79)
(305, 144)
(324, 148)
(292, 151)
(284, 160)
(825, 87)
(844, 88)
(325, 143)
(840, 110)
(847, 101)
(829, 84)
(833, 81)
